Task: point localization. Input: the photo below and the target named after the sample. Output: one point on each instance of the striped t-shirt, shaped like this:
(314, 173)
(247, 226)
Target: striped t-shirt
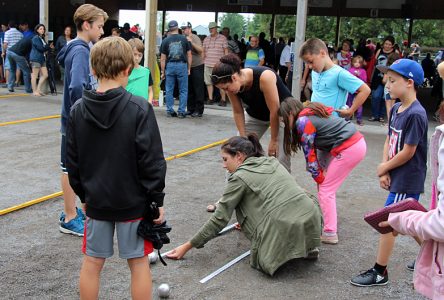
(12, 36)
(214, 48)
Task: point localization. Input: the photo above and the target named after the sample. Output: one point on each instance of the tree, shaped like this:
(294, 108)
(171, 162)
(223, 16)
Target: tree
(235, 22)
(259, 23)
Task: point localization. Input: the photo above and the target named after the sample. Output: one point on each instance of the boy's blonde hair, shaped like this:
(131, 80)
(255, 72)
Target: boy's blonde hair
(88, 13)
(312, 46)
(136, 43)
(110, 57)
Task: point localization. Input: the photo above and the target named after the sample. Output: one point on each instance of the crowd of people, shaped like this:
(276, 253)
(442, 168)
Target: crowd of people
(281, 219)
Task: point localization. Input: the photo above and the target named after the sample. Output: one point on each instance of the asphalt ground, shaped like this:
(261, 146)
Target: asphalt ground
(39, 262)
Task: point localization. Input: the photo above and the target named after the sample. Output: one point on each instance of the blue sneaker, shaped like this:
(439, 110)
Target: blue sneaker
(80, 213)
(74, 227)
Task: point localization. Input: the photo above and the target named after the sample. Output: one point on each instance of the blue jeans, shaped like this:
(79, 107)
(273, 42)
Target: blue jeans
(20, 61)
(378, 102)
(176, 71)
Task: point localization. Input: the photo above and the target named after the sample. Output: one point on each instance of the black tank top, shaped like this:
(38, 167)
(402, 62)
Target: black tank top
(254, 98)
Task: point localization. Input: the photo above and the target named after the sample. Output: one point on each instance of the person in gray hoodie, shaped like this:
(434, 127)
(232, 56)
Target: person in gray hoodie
(74, 57)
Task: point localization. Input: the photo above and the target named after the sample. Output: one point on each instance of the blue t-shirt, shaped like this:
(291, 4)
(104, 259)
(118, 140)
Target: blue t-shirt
(332, 86)
(408, 127)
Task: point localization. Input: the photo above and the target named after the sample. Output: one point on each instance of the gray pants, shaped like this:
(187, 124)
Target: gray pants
(260, 127)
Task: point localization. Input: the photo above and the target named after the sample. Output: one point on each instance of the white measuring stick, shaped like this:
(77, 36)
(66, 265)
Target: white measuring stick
(228, 228)
(220, 270)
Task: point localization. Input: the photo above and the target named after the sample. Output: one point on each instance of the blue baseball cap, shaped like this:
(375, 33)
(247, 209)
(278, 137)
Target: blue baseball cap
(407, 68)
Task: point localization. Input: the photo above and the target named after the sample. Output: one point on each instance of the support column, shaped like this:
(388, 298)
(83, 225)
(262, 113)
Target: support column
(216, 17)
(43, 13)
(410, 32)
(163, 22)
(301, 20)
(338, 29)
(150, 33)
(272, 26)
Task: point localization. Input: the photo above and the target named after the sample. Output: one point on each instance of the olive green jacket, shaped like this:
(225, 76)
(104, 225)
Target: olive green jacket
(280, 219)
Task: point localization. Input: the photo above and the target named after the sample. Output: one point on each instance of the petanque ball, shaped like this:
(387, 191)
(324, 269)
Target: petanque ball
(153, 257)
(163, 290)
(344, 107)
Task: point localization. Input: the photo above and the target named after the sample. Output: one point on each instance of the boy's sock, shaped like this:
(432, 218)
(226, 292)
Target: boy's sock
(380, 269)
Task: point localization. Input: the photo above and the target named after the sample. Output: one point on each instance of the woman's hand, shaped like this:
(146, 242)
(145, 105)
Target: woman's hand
(386, 224)
(180, 251)
(160, 219)
(273, 149)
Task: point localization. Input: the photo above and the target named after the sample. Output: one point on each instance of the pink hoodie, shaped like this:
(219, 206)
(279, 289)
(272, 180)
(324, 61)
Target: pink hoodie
(429, 268)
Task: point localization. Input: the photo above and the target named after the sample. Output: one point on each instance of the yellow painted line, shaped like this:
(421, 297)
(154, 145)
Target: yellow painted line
(14, 95)
(29, 203)
(58, 194)
(196, 150)
(29, 120)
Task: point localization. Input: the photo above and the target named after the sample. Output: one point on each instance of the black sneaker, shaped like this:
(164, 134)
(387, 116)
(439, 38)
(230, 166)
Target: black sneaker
(370, 278)
(411, 266)
(171, 114)
(181, 115)
(189, 113)
(196, 115)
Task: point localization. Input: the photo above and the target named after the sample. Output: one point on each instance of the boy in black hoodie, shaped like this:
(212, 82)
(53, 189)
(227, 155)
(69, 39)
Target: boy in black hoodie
(116, 166)
(74, 57)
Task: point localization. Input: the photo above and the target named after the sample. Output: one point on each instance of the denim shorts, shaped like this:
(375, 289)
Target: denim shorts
(396, 197)
(37, 65)
(98, 240)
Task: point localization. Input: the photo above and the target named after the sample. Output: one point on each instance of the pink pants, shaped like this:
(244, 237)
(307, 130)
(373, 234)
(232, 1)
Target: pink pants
(338, 170)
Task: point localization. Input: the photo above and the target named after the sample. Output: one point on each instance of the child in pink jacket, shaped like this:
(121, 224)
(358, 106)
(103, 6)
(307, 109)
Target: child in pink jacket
(429, 268)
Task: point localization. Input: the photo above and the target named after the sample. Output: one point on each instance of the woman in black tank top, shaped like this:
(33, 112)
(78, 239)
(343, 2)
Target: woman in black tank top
(261, 91)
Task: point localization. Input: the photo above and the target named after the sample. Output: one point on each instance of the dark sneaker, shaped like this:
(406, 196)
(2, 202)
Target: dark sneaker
(11, 90)
(411, 266)
(223, 103)
(181, 116)
(171, 114)
(196, 115)
(210, 102)
(312, 254)
(74, 227)
(189, 113)
(370, 278)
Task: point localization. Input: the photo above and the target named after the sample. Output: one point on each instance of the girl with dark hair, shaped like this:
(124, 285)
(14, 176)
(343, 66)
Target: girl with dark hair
(280, 219)
(332, 147)
(377, 86)
(38, 60)
(261, 90)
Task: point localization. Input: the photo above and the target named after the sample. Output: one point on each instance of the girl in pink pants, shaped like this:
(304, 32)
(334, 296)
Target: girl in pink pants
(332, 147)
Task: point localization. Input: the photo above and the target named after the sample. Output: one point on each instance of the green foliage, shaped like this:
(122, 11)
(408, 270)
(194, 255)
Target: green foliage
(259, 23)
(235, 22)
(427, 33)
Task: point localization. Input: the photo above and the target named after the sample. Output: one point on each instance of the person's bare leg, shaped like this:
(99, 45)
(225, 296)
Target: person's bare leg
(34, 75)
(385, 248)
(69, 199)
(223, 95)
(141, 283)
(42, 80)
(17, 76)
(210, 92)
(90, 277)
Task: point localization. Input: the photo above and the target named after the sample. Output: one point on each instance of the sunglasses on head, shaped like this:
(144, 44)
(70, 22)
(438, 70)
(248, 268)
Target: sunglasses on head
(215, 77)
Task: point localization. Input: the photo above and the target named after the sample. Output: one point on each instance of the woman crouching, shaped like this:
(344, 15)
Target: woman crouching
(280, 219)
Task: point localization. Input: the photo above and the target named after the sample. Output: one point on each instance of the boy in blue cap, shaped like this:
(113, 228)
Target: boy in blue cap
(404, 164)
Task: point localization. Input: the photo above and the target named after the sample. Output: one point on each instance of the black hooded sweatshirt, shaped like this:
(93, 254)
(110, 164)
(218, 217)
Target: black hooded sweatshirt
(115, 157)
